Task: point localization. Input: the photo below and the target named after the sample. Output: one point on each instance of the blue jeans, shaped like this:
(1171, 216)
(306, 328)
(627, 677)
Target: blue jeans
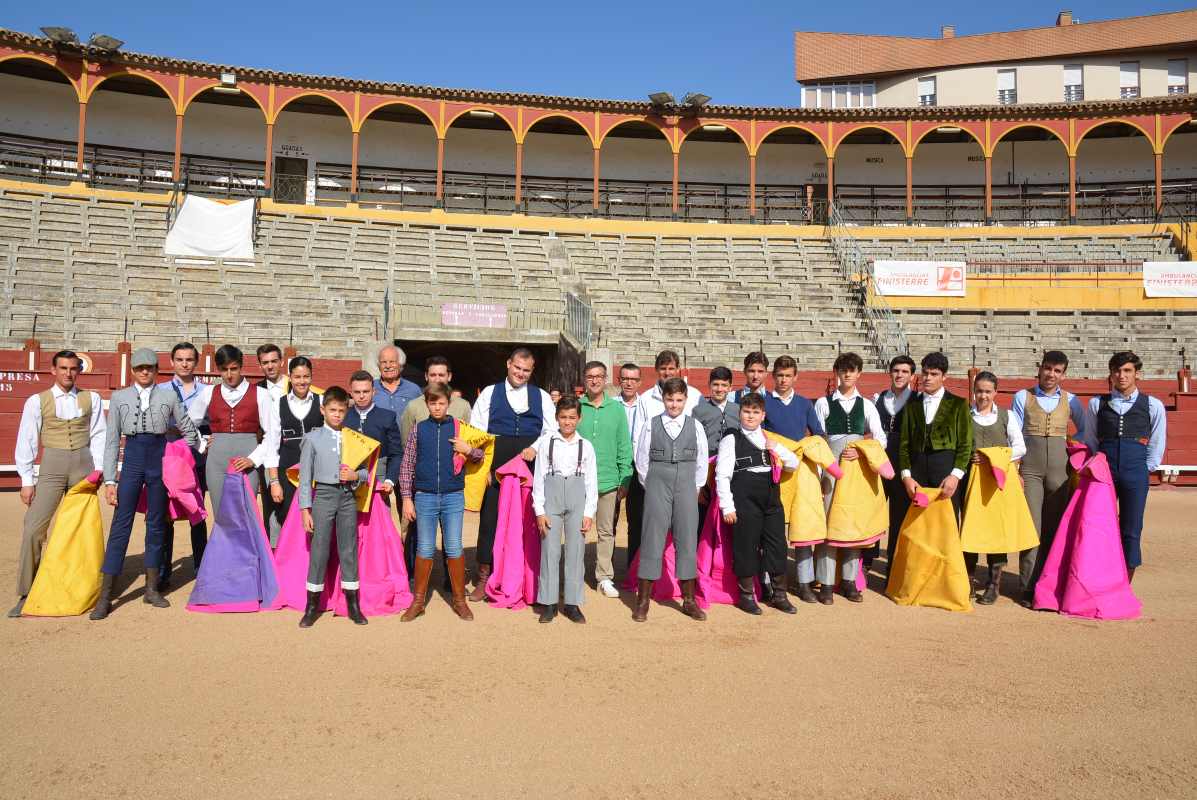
(447, 509)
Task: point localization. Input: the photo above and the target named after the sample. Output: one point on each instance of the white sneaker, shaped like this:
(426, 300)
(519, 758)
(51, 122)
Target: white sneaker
(608, 588)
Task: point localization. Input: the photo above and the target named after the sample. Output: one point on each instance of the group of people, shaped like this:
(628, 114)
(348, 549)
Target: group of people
(672, 461)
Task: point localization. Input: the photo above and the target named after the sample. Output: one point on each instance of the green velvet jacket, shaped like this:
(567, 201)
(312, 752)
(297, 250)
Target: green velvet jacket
(952, 429)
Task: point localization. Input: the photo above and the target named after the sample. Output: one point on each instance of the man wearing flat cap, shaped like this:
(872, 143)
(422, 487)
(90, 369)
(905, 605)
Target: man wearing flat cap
(142, 413)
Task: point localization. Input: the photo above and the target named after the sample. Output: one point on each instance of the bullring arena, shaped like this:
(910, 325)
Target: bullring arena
(1043, 178)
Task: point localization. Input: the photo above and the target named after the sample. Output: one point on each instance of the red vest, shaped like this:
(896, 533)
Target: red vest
(241, 418)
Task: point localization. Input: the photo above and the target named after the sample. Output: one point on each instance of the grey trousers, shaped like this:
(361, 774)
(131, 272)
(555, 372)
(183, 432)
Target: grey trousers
(224, 447)
(826, 555)
(564, 502)
(1044, 473)
(334, 513)
(60, 470)
(670, 505)
(604, 521)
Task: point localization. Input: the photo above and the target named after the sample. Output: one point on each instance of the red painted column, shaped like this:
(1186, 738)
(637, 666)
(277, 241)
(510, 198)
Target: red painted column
(269, 153)
(988, 189)
(595, 199)
(752, 186)
(675, 182)
(178, 147)
(1071, 190)
(81, 139)
(830, 180)
(519, 172)
(440, 170)
(1159, 182)
(353, 168)
(909, 189)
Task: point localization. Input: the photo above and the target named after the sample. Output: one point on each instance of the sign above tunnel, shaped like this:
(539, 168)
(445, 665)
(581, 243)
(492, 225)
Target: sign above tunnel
(474, 315)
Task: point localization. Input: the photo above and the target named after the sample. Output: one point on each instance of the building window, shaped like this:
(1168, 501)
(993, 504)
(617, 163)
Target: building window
(856, 94)
(1074, 83)
(1178, 76)
(1007, 85)
(1128, 80)
(927, 91)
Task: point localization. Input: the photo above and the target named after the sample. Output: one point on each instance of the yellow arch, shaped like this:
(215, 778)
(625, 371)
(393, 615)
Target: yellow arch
(1168, 135)
(1039, 125)
(915, 145)
(539, 120)
(603, 136)
(187, 103)
(796, 127)
(44, 60)
(362, 122)
(1105, 122)
(133, 73)
(464, 111)
(312, 93)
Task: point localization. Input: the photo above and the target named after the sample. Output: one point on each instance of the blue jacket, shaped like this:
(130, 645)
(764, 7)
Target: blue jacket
(382, 426)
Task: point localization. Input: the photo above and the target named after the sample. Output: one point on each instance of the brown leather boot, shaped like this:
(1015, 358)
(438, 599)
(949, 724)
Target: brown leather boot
(806, 593)
(479, 593)
(423, 572)
(746, 601)
(781, 599)
(689, 604)
(644, 593)
(152, 595)
(827, 594)
(848, 590)
(990, 595)
(456, 569)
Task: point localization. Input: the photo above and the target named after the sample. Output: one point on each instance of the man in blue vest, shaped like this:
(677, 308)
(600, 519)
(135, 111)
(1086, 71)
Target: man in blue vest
(517, 413)
(1131, 430)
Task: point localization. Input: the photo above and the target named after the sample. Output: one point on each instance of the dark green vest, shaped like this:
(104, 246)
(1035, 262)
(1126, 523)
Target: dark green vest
(839, 423)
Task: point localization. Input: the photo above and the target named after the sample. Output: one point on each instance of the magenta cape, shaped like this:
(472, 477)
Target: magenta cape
(1085, 571)
(185, 500)
(380, 568)
(237, 571)
(516, 553)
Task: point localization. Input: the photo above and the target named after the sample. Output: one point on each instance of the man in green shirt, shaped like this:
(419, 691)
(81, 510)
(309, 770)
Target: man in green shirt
(605, 425)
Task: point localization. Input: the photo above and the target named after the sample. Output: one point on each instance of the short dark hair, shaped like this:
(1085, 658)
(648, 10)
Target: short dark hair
(569, 403)
(66, 354)
(848, 362)
(435, 361)
(674, 386)
(228, 354)
(902, 359)
(628, 365)
(756, 357)
(360, 375)
(300, 361)
(335, 394)
(986, 375)
(721, 374)
(1055, 357)
(437, 389)
(752, 400)
(936, 360)
(1123, 357)
(184, 346)
(784, 362)
(666, 357)
(521, 352)
(594, 365)
(267, 349)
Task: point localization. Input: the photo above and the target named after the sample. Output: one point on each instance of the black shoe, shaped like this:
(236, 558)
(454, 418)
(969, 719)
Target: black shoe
(15, 611)
(311, 611)
(104, 601)
(151, 596)
(806, 594)
(850, 592)
(549, 612)
(352, 607)
(827, 594)
(573, 614)
(746, 602)
(781, 600)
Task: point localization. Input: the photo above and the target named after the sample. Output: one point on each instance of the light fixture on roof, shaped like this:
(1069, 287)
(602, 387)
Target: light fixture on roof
(60, 35)
(696, 100)
(481, 113)
(102, 41)
(228, 84)
(661, 99)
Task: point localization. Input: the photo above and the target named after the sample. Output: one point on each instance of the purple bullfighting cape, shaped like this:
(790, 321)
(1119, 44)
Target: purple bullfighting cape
(517, 539)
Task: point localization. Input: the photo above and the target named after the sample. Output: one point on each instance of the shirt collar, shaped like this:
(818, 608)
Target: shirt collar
(632, 404)
(361, 412)
(57, 391)
(586, 399)
(507, 384)
(902, 395)
(936, 396)
(239, 388)
(1039, 391)
(378, 384)
(1129, 398)
(291, 396)
(784, 399)
(572, 440)
(838, 395)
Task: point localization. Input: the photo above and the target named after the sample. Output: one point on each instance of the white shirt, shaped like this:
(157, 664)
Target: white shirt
(66, 406)
(673, 427)
(725, 464)
(266, 453)
(632, 412)
(652, 404)
(930, 407)
(785, 401)
(517, 398)
(872, 418)
(143, 396)
(300, 408)
(565, 462)
(893, 402)
(1018, 446)
(277, 389)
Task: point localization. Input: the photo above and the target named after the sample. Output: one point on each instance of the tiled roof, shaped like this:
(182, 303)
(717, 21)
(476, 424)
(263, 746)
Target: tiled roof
(823, 56)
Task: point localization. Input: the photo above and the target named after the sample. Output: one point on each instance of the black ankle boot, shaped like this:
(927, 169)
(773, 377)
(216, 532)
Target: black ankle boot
(311, 612)
(746, 600)
(351, 605)
(104, 602)
(781, 600)
(152, 596)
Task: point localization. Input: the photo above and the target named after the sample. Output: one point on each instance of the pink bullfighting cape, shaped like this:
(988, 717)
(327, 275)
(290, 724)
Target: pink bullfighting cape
(68, 579)
(929, 563)
(184, 498)
(512, 584)
(237, 571)
(1085, 571)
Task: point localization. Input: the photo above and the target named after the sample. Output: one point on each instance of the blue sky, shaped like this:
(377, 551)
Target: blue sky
(740, 53)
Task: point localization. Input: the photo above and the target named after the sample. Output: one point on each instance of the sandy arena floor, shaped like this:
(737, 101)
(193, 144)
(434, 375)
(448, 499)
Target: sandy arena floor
(872, 701)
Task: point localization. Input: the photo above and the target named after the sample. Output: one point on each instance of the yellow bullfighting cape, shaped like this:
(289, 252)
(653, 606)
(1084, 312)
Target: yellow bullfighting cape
(859, 513)
(928, 565)
(996, 517)
(801, 491)
(357, 451)
(476, 472)
(68, 579)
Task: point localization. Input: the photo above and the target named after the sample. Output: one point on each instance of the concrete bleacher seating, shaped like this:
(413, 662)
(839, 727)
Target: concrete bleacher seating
(1079, 253)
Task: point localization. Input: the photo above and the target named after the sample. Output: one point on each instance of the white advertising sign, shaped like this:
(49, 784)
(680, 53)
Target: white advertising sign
(1170, 278)
(919, 278)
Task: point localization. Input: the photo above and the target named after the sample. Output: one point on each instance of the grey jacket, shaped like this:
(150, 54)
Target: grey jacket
(714, 422)
(125, 418)
(320, 462)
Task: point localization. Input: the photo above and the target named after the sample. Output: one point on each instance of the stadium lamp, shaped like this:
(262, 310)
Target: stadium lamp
(480, 113)
(102, 41)
(661, 99)
(228, 84)
(60, 35)
(696, 100)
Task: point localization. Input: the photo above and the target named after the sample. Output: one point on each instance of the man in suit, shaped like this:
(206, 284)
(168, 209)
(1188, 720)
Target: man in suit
(890, 404)
(379, 424)
(937, 436)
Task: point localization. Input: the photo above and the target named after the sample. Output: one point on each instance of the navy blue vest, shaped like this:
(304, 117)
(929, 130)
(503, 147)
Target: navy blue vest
(434, 458)
(790, 421)
(892, 423)
(504, 421)
(1134, 424)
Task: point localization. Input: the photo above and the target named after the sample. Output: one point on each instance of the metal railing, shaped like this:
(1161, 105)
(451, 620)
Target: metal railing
(579, 319)
(883, 329)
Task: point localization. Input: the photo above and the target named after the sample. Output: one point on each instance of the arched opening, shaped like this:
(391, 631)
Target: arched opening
(1180, 173)
(870, 177)
(558, 169)
(396, 160)
(1115, 175)
(948, 178)
(224, 138)
(713, 175)
(130, 135)
(1030, 177)
(311, 133)
(791, 177)
(480, 163)
(39, 122)
(635, 172)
